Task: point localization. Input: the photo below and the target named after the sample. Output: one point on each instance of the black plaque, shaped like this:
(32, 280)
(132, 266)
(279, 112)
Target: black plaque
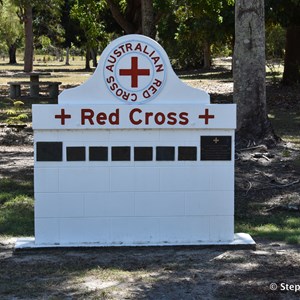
(49, 151)
(165, 153)
(187, 153)
(75, 153)
(98, 153)
(120, 153)
(143, 153)
(216, 147)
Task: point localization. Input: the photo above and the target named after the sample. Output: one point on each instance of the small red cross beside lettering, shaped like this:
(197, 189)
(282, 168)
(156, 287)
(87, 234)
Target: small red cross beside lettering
(134, 72)
(206, 116)
(62, 116)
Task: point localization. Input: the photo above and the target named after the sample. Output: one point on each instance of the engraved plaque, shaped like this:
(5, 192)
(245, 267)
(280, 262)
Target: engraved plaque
(215, 147)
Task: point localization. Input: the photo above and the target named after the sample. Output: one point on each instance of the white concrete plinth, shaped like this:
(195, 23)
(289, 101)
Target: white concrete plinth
(240, 239)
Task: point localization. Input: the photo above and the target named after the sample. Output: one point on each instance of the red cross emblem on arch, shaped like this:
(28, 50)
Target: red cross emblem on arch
(134, 72)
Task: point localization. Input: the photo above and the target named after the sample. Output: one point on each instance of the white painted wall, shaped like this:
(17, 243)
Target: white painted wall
(133, 203)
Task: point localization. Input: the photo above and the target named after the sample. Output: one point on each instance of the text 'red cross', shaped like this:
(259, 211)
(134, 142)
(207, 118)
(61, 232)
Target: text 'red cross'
(62, 116)
(134, 72)
(206, 116)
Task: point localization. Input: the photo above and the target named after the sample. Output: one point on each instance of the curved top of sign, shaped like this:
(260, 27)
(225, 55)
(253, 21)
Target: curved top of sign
(134, 69)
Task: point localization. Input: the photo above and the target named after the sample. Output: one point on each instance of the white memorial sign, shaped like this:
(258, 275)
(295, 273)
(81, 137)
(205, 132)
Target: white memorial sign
(134, 157)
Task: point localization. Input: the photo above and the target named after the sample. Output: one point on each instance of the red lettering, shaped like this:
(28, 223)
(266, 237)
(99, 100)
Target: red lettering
(157, 82)
(152, 89)
(184, 118)
(132, 120)
(138, 47)
(172, 118)
(118, 53)
(87, 114)
(114, 117)
(128, 47)
(122, 48)
(125, 96)
(151, 53)
(147, 117)
(114, 86)
(158, 116)
(155, 59)
(133, 97)
(101, 118)
(146, 94)
(110, 79)
(119, 92)
(110, 68)
(159, 68)
(145, 50)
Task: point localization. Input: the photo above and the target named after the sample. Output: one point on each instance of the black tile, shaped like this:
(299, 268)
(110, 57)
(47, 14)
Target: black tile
(216, 147)
(75, 153)
(49, 151)
(120, 153)
(143, 153)
(98, 153)
(165, 153)
(187, 153)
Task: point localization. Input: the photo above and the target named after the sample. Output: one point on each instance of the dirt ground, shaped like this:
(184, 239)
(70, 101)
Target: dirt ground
(264, 176)
(150, 273)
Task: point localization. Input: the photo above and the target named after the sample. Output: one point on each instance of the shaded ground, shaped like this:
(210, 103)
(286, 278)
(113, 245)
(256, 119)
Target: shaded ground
(149, 273)
(267, 181)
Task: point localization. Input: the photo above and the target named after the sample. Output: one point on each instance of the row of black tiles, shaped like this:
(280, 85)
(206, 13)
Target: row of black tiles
(53, 151)
(212, 148)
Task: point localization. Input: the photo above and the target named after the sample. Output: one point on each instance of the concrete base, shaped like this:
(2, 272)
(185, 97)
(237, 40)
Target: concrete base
(241, 240)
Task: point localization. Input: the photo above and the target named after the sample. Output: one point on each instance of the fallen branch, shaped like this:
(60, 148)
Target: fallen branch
(251, 148)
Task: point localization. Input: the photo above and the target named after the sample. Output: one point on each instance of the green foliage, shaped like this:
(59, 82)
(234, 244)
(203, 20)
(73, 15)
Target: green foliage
(16, 207)
(16, 216)
(278, 226)
(15, 113)
(284, 12)
(88, 14)
(275, 41)
(11, 31)
(193, 24)
(46, 23)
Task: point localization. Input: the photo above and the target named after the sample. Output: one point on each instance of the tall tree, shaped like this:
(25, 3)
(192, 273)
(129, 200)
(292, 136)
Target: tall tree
(287, 13)
(192, 27)
(148, 26)
(89, 14)
(71, 27)
(10, 29)
(249, 71)
(26, 11)
(25, 14)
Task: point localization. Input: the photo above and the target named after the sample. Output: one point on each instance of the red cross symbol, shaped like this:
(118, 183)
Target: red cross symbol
(62, 116)
(206, 116)
(134, 72)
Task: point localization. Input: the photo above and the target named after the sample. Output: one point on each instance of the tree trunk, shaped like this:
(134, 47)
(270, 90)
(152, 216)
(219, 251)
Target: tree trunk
(67, 56)
(12, 54)
(87, 58)
(126, 25)
(148, 27)
(291, 74)
(28, 55)
(94, 57)
(206, 55)
(249, 72)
